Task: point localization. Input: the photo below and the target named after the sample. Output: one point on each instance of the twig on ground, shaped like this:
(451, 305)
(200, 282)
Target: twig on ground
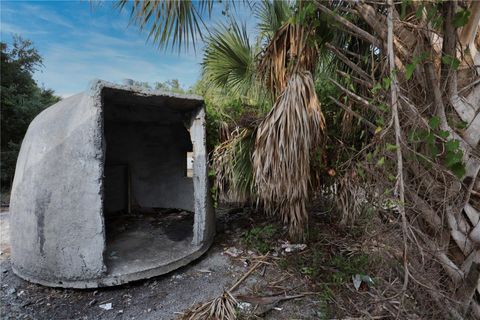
(223, 307)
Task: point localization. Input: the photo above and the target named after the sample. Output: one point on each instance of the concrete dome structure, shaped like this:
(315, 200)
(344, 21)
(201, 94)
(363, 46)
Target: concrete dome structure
(111, 186)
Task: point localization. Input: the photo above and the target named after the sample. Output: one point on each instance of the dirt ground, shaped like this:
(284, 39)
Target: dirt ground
(165, 297)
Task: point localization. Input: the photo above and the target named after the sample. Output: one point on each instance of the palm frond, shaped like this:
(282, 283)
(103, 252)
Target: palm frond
(175, 22)
(223, 307)
(288, 51)
(229, 60)
(284, 143)
(272, 15)
(232, 161)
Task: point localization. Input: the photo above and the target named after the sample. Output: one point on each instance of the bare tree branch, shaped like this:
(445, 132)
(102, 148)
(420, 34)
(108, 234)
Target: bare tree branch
(398, 142)
(350, 27)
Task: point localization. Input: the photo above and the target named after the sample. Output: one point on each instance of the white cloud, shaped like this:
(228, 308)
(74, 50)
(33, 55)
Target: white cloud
(38, 12)
(70, 69)
(6, 27)
(83, 44)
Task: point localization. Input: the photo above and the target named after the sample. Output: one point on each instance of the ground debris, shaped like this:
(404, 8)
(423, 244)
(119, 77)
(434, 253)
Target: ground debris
(106, 306)
(293, 247)
(267, 299)
(233, 252)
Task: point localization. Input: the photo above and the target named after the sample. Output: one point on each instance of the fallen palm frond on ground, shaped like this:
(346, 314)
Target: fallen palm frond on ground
(283, 147)
(223, 307)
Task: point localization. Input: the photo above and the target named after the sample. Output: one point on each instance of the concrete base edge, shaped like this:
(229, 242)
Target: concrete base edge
(114, 280)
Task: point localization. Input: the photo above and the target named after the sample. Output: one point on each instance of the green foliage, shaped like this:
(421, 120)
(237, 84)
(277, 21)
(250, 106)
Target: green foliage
(172, 86)
(271, 16)
(383, 85)
(334, 268)
(260, 238)
(450, 61)
(21, 100)
(461, 18)
(453, 158)
(403, 8)
(326, 296)
(410, 68)
(437, 145)
(434, 122)
(229, 61)
(349, 266)
(391, 147)
(433, 16)
(177, 23)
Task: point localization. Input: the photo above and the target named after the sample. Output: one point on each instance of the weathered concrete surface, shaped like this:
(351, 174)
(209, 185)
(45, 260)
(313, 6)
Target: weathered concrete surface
(57, 202)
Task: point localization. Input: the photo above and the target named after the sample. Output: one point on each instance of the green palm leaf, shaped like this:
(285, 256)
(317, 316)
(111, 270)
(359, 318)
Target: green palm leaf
(175, 22)
(229, 60)
(272, 15)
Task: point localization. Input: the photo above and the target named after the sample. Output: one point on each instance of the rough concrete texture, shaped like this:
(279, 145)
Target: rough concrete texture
(68, 159)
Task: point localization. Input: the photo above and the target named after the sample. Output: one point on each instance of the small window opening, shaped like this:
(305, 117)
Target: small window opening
(189, 164)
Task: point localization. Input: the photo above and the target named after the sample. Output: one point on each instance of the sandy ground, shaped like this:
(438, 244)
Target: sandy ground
(157, 298)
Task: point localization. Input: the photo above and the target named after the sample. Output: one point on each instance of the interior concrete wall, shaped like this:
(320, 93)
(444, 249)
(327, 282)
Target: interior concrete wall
(153, 142)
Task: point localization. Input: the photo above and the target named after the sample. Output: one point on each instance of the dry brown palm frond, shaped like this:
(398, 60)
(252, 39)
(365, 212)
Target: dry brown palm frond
(222, 307)
(284, 142)
(349, 196)
(287, 52)
(232, 161)
(224, 133)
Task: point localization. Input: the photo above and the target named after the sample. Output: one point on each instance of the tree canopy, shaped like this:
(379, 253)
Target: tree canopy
(21, 99)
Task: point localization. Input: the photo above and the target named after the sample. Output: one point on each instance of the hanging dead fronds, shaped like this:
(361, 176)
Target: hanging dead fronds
(232, 161)
(224, 133)
(287, 52)
(283, 146)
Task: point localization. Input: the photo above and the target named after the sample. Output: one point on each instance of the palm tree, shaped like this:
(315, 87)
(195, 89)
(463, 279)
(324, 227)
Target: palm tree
(284, 140)
(425, 62)
(286, 137)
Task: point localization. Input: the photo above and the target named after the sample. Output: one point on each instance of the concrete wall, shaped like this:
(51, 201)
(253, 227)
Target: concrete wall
(56, 228)
(157, 157)
(204, 224)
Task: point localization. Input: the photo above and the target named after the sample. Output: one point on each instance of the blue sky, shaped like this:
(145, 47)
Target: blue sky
(80, 42)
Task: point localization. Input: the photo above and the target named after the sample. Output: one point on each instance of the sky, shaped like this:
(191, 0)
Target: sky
(80, 42)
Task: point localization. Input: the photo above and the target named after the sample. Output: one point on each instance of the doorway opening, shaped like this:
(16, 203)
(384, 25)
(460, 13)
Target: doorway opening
(148, 197)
